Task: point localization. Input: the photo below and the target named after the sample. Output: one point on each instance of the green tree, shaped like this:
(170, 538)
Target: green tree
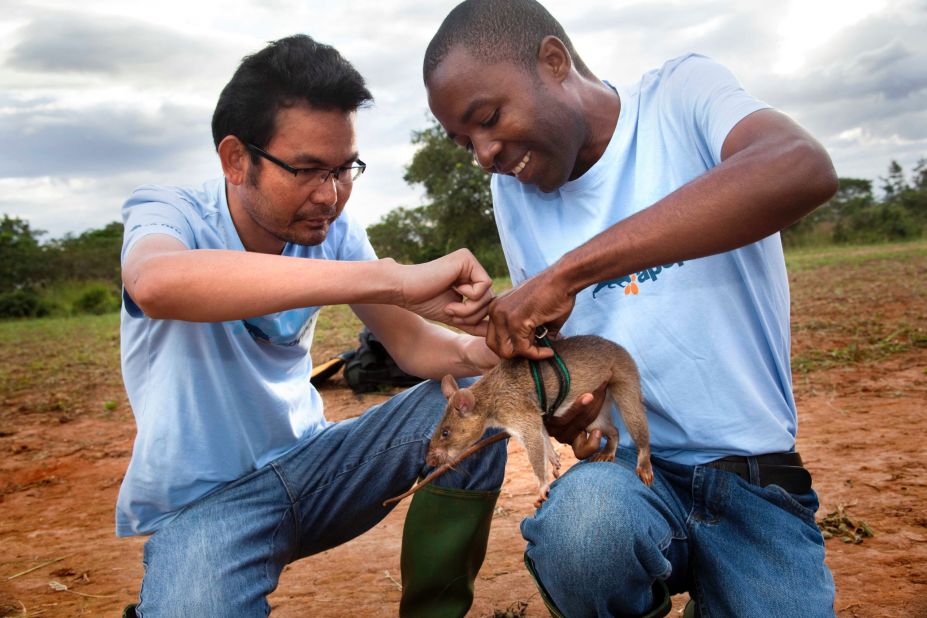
(817, 227)
(915, 201)
(878, 223)
(912, 198)
(854, 214)
(22, 258)
(920, 175)
(94, 254)
(458, 212)
(900, 215)
(894, 183)
(406, 235)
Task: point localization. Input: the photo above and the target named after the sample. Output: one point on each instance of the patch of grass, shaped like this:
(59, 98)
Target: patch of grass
(839, 524)
(863, 349)
(501, 284)
(515, 610)
(47, 364)
(335, 332)
(869, 304)
(807, 258)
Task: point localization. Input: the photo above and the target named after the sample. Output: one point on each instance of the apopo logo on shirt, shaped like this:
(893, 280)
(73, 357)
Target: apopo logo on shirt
(631, 284)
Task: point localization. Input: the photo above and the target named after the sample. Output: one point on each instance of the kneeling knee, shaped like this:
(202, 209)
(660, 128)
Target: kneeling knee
(590, 512)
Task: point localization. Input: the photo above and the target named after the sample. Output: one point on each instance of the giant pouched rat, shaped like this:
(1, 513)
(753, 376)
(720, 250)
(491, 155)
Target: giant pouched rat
(506, 398)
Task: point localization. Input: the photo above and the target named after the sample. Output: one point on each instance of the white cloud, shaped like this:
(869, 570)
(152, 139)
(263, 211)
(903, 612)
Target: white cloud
(60, 205)
(810, 25)
(96, 100)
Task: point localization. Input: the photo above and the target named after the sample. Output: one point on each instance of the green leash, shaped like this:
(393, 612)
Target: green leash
(563, 375)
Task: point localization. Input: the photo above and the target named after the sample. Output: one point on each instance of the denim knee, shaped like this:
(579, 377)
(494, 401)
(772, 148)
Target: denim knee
(198, 583)
(600, 538)
(222, 555)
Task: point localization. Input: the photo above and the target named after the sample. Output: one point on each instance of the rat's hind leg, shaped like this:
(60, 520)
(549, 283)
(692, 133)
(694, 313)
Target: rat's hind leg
(540, 452)
(644, 469)
(627, 394)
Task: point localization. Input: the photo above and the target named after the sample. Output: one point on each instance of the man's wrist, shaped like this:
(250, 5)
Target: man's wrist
(599, 259)
(566, 275)
(476, 354)
(389, 283)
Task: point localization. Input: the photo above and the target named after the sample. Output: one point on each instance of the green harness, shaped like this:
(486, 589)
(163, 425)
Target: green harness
(563, 375)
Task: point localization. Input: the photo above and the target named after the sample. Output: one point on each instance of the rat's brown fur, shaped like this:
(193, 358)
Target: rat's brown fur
(506, 398)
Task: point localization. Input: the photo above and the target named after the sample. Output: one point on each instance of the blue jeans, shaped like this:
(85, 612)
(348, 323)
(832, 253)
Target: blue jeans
(223, 554)
(603, 538)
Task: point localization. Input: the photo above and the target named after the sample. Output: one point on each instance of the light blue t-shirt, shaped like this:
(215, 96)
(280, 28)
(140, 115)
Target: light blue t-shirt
(710, 336)
(213, 401)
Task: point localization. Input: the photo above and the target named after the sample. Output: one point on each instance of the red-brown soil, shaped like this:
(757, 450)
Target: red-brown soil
(862, 409)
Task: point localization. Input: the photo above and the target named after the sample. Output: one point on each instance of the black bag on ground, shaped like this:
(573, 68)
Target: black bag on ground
(320, 373)
(372, 368)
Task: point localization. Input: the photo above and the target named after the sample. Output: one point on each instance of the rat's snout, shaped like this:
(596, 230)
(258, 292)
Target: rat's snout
(436, 456)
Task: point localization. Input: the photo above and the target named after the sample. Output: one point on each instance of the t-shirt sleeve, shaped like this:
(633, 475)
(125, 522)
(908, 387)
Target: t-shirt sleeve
(711, 100)
(153, 210)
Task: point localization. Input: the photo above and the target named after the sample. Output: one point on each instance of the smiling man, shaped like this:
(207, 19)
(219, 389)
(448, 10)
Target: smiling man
(235, 472)
(648, 214)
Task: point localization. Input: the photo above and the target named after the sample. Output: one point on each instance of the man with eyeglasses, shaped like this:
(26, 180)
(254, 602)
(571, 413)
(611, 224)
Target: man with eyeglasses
(235, 472)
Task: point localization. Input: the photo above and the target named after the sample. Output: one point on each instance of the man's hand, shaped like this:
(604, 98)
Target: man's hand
(454, 289)
(514, 316)
(571, 427)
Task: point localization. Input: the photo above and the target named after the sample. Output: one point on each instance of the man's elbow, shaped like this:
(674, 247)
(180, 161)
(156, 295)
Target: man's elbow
(817, 176)
(148, 291)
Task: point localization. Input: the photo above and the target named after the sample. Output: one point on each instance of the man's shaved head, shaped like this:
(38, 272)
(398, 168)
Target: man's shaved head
(498, 30)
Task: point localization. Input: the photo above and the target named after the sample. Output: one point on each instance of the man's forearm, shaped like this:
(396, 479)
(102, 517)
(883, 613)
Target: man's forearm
(446, 352)
(424, 349)
(217, 285)
(754, 193)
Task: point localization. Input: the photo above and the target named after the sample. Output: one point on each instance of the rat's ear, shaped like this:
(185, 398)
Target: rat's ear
(449, 386)
(463, 401)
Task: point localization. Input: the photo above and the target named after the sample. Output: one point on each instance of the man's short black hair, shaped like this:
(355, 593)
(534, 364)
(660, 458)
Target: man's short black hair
(292, 71)
(494, 30)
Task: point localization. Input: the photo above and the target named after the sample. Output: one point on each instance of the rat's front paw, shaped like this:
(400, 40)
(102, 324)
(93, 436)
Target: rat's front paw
(554, 460)
(542, 495)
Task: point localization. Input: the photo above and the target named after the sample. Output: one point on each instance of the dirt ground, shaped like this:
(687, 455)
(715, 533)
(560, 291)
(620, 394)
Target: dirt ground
(862, 434)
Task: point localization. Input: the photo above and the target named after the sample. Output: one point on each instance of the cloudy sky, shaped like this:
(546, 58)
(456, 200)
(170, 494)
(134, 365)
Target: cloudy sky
(98, 99)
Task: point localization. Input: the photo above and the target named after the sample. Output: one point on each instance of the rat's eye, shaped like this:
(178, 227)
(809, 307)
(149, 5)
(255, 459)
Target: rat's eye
(445, 433)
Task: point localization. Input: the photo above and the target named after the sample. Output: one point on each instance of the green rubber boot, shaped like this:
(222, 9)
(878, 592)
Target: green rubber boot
(690, 610)
(443, 545)
(661, 596)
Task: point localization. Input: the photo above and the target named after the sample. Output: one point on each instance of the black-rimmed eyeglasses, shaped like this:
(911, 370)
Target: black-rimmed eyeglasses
(343, 175)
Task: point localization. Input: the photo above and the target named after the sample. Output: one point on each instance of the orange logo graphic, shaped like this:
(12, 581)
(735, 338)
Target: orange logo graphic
(631, 283)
